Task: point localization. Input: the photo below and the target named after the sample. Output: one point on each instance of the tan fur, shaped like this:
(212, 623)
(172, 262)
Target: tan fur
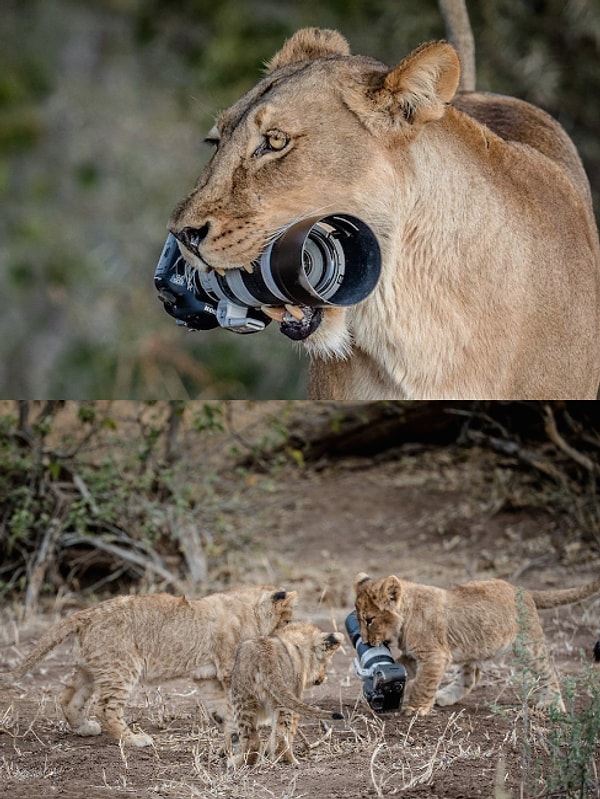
(154, 638)
(268, 679)
(490, 284)
(467, 624)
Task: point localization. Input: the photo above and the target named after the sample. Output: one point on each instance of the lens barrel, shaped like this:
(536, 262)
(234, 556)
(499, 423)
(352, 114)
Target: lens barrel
(332, 260)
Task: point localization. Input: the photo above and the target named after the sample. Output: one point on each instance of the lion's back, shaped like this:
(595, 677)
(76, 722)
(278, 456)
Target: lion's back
(517, 121)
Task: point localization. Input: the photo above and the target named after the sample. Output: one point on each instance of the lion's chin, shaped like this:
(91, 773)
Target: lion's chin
(298, 330)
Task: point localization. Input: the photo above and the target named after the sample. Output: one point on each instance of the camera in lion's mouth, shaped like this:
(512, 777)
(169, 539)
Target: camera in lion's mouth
(315, 263)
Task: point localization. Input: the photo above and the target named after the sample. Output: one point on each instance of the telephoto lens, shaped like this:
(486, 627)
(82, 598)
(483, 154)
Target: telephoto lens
(383, 679)
(317, 262)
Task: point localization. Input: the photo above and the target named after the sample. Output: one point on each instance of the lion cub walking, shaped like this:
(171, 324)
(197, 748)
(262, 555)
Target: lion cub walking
(466, 624)
(268, 679)
(153, 638)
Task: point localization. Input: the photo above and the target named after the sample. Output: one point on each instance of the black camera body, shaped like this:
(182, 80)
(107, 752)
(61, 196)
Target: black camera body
(317, 262)
(383, 679)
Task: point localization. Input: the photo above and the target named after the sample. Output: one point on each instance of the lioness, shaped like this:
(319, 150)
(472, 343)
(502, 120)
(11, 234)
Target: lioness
(490, 284)
(269, 676)
(154, 638)
(465, 625)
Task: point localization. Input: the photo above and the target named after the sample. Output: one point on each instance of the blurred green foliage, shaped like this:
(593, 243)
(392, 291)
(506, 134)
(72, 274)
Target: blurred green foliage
(103, 107)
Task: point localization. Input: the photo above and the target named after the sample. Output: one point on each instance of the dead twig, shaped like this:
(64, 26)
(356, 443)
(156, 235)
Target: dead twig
(42, 560)
(512, 449)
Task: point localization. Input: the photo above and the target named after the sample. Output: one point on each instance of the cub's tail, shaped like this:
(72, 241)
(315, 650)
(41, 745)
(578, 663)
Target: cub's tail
(565, 596)
(282, 697)
(49, 640)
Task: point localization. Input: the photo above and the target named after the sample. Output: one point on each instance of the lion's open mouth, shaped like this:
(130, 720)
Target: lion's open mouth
(297, 321)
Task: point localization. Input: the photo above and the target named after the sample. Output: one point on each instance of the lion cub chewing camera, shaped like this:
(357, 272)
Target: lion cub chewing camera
(268, 679)
(153, 638)
(465, 625)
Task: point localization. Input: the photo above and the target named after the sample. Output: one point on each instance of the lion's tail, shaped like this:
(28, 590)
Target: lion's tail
(564, 596)
(49, 640)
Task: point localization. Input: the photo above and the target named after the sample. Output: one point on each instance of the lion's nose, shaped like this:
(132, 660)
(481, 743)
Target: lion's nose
(192, 237)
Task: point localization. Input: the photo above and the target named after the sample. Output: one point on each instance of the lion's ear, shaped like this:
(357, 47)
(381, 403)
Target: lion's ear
(360, 579)
(415, 91)
(308, 44)
(331, 641)
(391, 589)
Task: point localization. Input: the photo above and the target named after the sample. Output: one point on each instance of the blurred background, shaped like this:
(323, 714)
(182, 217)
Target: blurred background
(103, 108)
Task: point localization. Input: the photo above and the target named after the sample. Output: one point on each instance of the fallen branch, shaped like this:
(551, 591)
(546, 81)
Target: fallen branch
(135, 558)
(556, 438)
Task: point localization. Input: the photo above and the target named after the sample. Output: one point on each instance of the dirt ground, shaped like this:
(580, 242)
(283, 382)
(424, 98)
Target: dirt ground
(424, 515)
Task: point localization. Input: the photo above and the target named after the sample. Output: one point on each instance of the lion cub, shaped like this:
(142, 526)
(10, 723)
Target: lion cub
(154, 638)
(466, 624)
(268, 679)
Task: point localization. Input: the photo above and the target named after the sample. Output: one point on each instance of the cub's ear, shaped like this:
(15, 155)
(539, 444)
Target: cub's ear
(360, 579)
(332, 641)
(413, 93)
(308, 44)
(390, 590)
(288, 598)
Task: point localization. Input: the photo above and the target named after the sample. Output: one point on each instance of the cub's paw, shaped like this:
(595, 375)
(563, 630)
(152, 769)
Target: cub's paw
(139, 739)
(420, 710)
(243, 759)
(445, 698)
(235, 761)
(88, 728)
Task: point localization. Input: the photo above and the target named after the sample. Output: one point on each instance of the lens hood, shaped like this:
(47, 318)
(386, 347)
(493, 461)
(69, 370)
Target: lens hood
(284, 264)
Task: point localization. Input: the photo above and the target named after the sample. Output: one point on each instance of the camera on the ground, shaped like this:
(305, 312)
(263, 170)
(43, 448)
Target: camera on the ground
(318, 262)
(383, 679)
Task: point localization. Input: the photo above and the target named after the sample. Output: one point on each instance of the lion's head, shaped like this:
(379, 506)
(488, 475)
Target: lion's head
(377, 608)
(311, 139)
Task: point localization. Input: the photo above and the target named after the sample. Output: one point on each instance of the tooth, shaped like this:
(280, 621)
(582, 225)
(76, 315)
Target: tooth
(296, 312)
(219, 271)
(248, 268)
(274, 313)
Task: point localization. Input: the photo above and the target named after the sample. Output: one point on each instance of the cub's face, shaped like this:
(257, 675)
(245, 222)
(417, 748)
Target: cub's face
(325, 645)
(377, 609)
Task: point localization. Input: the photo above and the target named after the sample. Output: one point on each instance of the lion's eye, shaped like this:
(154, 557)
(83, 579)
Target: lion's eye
(274, 141)
(369, 621)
